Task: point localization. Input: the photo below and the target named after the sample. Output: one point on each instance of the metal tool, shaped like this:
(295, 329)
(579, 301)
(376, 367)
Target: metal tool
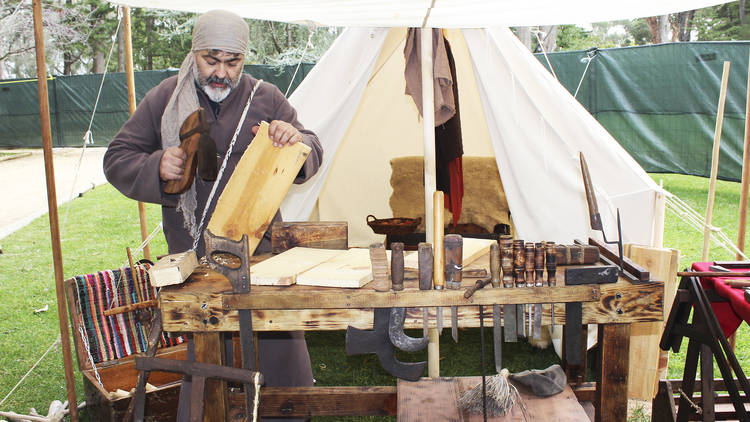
(424, 251)
(497, 335)
(480, 284)
(519, 266)
(529, 252)
(453, 244)
(239, 278)
(377, 341)
(590, 274)
(509, 311)
(551, 264)
(398, 315)
(594, 216)
(538, 282)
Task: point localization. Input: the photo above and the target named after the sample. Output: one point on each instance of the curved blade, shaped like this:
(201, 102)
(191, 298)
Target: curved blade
(595, 218)
(397, 335)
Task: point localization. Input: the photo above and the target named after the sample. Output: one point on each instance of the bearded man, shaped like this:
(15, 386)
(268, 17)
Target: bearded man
(145, 154)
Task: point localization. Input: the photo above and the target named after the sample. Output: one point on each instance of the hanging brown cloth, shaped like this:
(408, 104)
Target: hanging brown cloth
(448, 141)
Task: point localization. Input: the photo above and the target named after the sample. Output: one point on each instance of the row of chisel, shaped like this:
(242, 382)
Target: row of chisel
(523, 265)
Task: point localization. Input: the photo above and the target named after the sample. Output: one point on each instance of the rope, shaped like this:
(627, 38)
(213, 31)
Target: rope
(541, 46)
(301, 57)
(49, 349)
(696, 221)
(589, 58)
(224, 163)
(697, 408)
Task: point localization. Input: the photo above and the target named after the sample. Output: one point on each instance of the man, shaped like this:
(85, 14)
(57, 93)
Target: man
(145, 154)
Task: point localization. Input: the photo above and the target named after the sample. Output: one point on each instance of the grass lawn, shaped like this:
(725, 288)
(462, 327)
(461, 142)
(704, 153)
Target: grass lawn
(102, 223)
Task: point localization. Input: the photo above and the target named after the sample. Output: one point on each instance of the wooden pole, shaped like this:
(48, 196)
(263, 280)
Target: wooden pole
(54, 228)
(131, 104)
(715, 162)
(428, 127)
(745, 174)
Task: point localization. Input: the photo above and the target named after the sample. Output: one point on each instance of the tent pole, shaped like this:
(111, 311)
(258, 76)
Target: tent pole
(428, 126)
(131, 103)
(715, 162)
(54, 228)
(745, 174)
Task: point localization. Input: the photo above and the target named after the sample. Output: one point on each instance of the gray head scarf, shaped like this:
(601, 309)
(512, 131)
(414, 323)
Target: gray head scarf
(219, 30)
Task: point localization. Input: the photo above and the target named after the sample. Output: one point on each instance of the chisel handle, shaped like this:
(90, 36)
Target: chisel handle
(529, 252)
(438, 204)
(379, 263)
(424, 255)
(453, 260)
(519, 263)
(551, 263)
(538, 264)
(397, 266)
(495, 265)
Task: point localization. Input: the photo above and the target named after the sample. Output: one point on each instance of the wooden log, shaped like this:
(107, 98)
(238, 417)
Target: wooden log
(197, 306)
(258, 184)
(309, 234)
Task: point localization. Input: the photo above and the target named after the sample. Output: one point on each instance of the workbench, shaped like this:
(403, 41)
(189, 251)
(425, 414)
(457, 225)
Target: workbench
(205, 306)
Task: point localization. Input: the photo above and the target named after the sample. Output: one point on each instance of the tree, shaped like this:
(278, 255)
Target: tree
(722, 22)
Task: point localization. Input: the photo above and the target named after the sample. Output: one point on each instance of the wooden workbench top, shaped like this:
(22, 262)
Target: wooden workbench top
(203, 303)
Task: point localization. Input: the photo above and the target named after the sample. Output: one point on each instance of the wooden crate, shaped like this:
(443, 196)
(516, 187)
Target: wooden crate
(119, 373)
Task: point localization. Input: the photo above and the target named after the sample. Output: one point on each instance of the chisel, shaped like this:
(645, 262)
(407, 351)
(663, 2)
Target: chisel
(538, 282)
(519, 266)
(438, 263)
(453, 244)
(551, 264)
(509, 311)
(529, 252)
(496, 323)
(424, 256)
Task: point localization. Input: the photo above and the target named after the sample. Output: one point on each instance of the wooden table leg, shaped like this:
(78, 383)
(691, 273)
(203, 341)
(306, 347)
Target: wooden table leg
(208, 349)
(612, 377)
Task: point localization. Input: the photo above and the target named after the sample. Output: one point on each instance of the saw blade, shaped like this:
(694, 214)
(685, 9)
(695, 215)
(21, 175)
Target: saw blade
(511, 326)
(454, 323)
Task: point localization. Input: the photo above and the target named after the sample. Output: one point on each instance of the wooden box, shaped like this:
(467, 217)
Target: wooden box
(106, 345)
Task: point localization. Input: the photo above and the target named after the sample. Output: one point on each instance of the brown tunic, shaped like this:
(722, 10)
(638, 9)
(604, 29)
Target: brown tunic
(131, 164)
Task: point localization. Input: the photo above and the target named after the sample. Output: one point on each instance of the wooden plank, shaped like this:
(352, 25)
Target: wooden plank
(473, 249)
(323, 401)
(173, 269)
(283, 269)
(612, 379)
(643, 375)
(327, 299)
(208, 349)
(429, 399)
(197, 306)
(310, 234)
(350, 269)
(258, 184)
(436, 399)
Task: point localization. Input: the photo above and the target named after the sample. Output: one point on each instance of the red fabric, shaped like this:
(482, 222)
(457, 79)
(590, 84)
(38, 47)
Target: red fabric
(454, 199)
(730, 314)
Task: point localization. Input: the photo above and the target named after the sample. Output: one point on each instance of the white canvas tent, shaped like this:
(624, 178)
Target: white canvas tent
(511, 107)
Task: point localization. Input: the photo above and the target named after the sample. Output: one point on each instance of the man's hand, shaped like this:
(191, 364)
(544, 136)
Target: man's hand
(172, 164)
(281, 133)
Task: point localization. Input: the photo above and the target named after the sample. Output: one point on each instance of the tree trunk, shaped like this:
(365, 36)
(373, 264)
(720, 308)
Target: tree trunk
(664, 29)
(149, 54)
(659, 27)
(2, 69)
(120, 50)
(524, 34)
(682, 26)
(67, 57)
(98, 62)
(549, 41)
(742, 12)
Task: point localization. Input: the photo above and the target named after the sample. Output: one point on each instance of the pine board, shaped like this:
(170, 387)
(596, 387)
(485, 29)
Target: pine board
(472, 250)
(436, 399)
(349, 269)
(256, 188)
(282, 269)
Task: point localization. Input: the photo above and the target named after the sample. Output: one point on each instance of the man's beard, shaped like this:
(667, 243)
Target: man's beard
(216, 95)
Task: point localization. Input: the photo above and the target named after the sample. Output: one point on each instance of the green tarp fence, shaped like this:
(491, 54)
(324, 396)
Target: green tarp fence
(72, 99)
(660, 102)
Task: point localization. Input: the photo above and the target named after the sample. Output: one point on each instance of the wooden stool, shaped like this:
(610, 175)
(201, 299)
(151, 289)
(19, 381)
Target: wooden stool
(707, 341)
